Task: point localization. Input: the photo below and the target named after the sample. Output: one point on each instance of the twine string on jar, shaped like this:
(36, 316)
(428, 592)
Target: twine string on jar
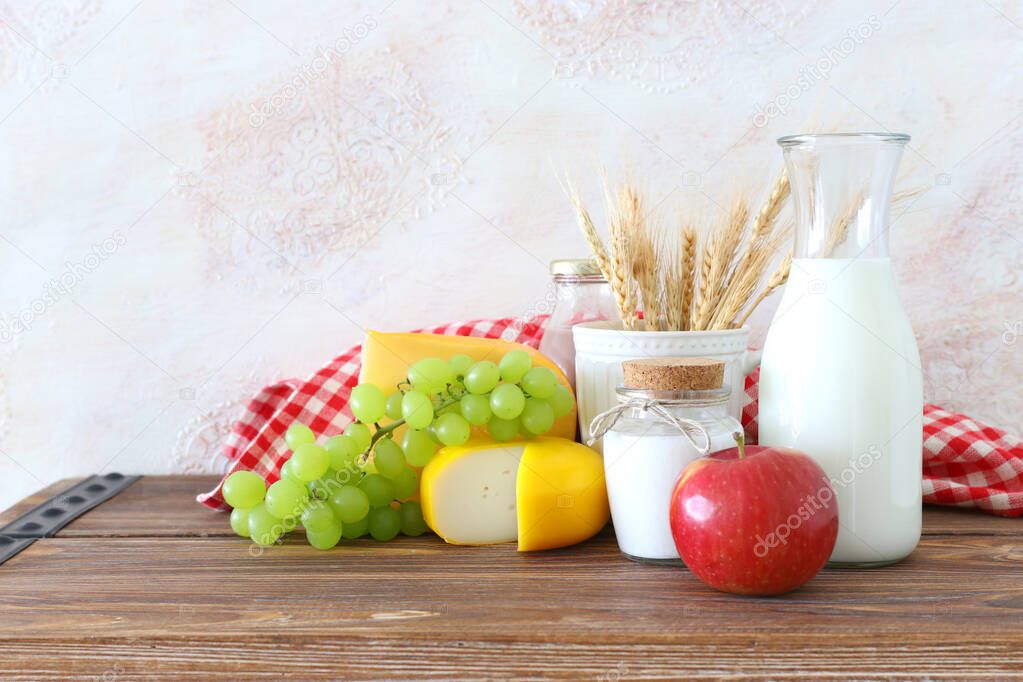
(606, 420)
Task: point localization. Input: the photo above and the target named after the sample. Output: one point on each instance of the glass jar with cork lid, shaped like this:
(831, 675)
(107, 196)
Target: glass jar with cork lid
(670, 411)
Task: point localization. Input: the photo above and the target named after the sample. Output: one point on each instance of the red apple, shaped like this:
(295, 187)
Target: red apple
(754, 520)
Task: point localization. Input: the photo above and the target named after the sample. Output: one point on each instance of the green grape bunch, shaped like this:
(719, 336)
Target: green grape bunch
(361, 481)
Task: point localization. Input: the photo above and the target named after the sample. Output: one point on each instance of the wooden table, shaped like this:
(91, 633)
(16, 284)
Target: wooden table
(151, 585)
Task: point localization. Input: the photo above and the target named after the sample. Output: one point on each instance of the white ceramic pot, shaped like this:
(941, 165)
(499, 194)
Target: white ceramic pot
(600, 348)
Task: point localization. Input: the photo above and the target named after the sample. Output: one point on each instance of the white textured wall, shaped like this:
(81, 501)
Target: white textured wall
(210, 226)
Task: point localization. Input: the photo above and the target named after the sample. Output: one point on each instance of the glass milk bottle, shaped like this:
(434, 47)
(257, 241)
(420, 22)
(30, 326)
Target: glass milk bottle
(840, 377)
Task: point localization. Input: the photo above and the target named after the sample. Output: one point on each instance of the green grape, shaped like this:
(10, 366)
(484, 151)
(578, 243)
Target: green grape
(368, 403)
(360, 433)
(406, 484)
(384, 523)
(430, 375)
(320, 488)
(393, 408)
(452, 408)
(349, 504)
(452, 429)
(326, 538)
(417, 410)
(432, 431)
(514, 365)
(349, 476)
(264, 527)
(475, 408)
(355, 529)
(288, 471)
(388, 458)
(419, 447)
(561, 400)
(503, 429)
(378, 489)
(539, 382)
(318, 517)
(310, 462)
(482, 377)
(342, 451)
(460, 365)
(285, 498)
(244, 489)
(240, 521)
(506, 401)
(298, 434)
(537, 416)
(412, 523)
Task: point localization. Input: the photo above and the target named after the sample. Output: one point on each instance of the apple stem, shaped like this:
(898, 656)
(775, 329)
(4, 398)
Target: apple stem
(740, 442)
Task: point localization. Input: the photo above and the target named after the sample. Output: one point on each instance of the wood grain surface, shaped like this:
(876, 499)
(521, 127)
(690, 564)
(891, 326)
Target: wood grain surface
(152, 586)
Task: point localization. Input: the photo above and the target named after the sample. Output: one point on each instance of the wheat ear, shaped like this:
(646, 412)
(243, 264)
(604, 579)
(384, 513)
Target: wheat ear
(590, 233)
(643, 257)
(621, 275)
(744, 284)
(725, 247)
(688, 275)
(764, 222)
(780, 276)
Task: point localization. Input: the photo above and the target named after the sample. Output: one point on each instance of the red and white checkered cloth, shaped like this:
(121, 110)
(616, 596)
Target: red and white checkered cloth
(966, 464)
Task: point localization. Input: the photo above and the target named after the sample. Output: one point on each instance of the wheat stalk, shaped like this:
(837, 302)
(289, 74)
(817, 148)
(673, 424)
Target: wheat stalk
(749, 269)
(688, 276)
(644, 260)
(706, 261)
(745, 283)
(780, 276)
(764, 222)
(589, 231)
(621, 262)
(724, 249)
(839, 230)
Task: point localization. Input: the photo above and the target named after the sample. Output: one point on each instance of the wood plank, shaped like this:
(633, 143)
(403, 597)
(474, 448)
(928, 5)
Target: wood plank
(322, 657)
(132, 587)
(957, 521)
(155, 506)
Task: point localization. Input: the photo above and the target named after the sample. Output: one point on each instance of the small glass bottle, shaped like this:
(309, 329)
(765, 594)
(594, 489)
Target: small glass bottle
(581, 295)
(649, 438)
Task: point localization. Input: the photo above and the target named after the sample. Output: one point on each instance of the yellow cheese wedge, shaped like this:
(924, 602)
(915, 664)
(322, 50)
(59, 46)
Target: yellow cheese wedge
(386, 358)
(544, 493)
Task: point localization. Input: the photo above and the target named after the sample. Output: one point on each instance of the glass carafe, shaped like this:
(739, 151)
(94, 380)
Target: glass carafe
(840, 377)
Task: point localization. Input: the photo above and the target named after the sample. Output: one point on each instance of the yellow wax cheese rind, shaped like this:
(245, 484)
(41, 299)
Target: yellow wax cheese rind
(386, 358)
(562, 497)
(544, 493)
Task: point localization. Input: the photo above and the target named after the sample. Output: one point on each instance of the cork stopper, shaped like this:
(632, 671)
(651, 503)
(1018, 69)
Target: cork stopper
(674, 374)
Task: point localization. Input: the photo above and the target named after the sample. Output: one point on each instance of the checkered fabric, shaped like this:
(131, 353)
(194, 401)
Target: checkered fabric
(966, 464)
